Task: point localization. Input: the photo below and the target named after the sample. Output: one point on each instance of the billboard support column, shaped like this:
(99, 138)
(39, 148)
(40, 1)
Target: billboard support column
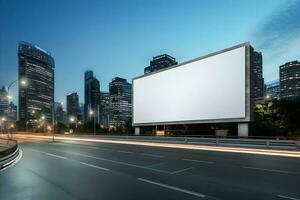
(243, 129)
(136, 130)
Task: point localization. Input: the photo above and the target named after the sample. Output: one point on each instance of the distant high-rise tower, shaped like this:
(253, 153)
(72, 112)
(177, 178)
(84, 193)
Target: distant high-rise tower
(36, 99)
(3, 102)
(58, 112)
(120, 102)
(257, 69)
(289, 75)
(73, 105)
(91, 96)
(160, 62)
(12, 112)
(104, 109)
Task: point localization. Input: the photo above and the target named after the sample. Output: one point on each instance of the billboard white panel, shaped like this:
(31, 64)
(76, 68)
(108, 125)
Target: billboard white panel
(212, 88)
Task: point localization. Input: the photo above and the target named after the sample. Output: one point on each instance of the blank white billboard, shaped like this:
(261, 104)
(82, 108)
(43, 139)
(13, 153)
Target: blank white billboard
(208, 89)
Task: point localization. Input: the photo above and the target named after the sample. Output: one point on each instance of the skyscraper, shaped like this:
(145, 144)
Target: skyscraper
(273, 89)
(36, 99)
(59, 112)
(73, 105)
(3, 102)
(91, 96)
(120, 102)
(289, 75)
(258, 80)
(12, 112)
(160, 62)
(104, 109)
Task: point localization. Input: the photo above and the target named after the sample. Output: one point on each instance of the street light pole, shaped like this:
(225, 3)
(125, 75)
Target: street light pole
(92, 113)
(53, 121)
(9, 97)
(94, 124)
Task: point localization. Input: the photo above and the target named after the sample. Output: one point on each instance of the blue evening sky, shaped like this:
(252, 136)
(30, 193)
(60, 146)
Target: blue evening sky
(119, 38)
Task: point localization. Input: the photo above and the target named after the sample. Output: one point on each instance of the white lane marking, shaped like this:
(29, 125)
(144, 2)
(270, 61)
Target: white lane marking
(125, 151)
(91, 147)
(155, 165)
(286, 197)
(13, 162)
(268, 170)
(181, 170)
(118, 162)
(152, 155)
(173, 188)
(57, 156)
(94, 166)
(199, 161)
(49, 154)
(36, 151)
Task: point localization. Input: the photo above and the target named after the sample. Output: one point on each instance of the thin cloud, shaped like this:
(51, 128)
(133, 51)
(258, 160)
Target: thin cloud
(278, 38)
(280, 31)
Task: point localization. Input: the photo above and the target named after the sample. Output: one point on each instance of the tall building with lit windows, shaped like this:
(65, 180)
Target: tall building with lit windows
(120, 102)
(3, 102)
(289, 75)
(160, 62)
(91, 97)
(36, 97)
(258, 80)
(73, 105)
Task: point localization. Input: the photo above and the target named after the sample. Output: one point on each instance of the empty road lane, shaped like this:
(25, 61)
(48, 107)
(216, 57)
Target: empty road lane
(87, 170)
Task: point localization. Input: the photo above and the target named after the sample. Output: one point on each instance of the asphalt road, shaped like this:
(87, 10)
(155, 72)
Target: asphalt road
(85, 170)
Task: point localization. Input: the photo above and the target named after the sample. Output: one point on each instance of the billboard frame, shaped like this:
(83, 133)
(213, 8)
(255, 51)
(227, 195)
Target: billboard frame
(248, 99)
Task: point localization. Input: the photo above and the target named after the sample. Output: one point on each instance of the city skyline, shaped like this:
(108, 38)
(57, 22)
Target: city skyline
(124, 46)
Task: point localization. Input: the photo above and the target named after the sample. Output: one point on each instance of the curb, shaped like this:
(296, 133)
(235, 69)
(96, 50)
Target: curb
(9, 159)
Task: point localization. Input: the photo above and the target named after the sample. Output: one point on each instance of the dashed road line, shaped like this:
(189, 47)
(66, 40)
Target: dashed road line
(117, 162)
(152, 155)
(287, 197)
(57, 156)
(181, 170)
(199, 161)
(94, 166)
(173, 188)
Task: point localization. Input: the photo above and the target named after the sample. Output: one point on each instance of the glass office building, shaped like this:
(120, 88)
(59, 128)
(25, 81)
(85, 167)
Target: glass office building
(120, 102)
(36, 86)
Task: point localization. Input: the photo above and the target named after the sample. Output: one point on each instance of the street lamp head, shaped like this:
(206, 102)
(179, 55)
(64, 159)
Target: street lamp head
(91, 112)
(23, 82)
(72, 119)
(9, 97)
(43, 117)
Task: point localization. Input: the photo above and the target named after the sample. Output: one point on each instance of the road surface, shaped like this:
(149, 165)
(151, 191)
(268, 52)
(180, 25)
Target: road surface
(86, 170)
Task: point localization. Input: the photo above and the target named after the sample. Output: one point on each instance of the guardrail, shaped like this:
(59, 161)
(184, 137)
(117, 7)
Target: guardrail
(265, 143)
(262, 142)
(9, 150)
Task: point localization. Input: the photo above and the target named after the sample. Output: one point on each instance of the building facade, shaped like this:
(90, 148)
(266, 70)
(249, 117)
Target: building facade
(12, 113)
(59, 112)
(258, 80)
(104, 109)
(120, 102)
(273, 89)
(36, 98)
(160, 62)
(73, 109)
(91, 97)
(3, 102)
(289, 77)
